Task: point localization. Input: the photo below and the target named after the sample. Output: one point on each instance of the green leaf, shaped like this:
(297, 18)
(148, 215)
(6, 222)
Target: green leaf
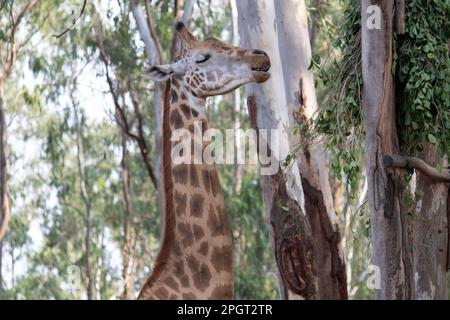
(432, 138)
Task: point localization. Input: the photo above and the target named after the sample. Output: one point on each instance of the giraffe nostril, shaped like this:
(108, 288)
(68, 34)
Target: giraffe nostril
(259, 53)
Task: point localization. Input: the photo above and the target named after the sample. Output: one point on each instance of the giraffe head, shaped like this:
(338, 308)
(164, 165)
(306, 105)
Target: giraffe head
(211, 67)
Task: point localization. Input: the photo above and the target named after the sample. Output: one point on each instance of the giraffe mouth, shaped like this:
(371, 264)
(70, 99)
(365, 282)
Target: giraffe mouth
(261, 69)
(261, 73)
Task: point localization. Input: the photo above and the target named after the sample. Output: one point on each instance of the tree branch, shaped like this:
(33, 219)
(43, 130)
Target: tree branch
(14, 48)
(123, 119)
(400, 17)
(403, 162)
(151, 27)
(74, 21)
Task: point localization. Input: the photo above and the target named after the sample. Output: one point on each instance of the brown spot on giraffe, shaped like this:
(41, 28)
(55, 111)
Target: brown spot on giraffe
(199, 234)
(202, 277)
(173, 96)
(193, 263)
(195, 113)
(197, 205)
(204, 248)
(184, 281)
(186, 111)
(180, 173)
(179, 269)
(187, 236)
(176, 120)
(180, 203)
(194, 176)
(220, 257)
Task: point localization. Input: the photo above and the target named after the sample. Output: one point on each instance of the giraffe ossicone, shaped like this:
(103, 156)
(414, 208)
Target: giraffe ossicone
(195, 259)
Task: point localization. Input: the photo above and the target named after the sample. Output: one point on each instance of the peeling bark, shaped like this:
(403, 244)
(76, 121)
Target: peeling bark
(290, 232)
(294, 245)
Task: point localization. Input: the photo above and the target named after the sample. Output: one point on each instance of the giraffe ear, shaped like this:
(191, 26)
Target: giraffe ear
(159, 73)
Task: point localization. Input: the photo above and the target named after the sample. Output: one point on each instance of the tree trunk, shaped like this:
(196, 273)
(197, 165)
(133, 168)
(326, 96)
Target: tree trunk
(237, 169)
(314, 16)
(86, 200)
(391, 249)
(430, 232)
(4, 201)
(290, 231)
(154, 58)
(128, 281)
(295, 52)
(13, 267)
(1, 266)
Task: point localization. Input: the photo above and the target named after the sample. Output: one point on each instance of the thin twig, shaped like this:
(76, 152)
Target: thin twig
(123, 119)
(57, 36)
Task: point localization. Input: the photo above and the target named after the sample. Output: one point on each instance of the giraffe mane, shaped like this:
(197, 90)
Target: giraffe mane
(169, 226)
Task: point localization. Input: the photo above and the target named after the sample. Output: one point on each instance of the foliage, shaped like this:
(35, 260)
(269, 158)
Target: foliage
(339, 120)
(423, 73)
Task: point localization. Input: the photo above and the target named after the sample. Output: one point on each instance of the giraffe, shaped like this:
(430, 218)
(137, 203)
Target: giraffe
(195, 259)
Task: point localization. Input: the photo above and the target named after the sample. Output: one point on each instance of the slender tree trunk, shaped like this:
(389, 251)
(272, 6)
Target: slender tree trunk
(390, 243)
(295, 52)
(13, 267)
(86, 200)
(128, 281)
(313, 22)
(4, 201)
(155, 58)
(430, 232)
(236, 117)
(290, 231)
(1, 266)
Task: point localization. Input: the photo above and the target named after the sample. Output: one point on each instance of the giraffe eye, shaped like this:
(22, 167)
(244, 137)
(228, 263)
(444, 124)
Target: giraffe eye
(205, 58)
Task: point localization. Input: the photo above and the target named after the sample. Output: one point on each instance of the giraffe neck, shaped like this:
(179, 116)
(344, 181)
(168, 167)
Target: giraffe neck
(195, 260)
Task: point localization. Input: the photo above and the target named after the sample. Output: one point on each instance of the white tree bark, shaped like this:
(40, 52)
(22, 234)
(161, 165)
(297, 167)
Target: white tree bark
(154, 59)
(289, 228)
(295, 53)
(237, 170)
